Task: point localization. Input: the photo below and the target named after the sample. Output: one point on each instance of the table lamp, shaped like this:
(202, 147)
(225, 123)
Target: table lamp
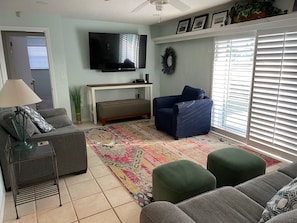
(16, 93)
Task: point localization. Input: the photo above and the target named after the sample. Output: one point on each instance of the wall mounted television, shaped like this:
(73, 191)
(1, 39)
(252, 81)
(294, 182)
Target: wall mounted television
(110, 52)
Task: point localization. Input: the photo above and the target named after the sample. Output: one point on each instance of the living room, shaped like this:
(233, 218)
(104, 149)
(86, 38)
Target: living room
(69, 61)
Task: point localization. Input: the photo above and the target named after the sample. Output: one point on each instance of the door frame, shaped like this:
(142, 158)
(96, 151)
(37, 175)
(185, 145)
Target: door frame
(3, 71)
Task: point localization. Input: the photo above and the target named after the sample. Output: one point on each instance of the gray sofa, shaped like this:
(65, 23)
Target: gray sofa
(241, 204)
(68, 141)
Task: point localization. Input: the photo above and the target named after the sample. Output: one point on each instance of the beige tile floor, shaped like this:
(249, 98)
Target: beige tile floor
(96, 196)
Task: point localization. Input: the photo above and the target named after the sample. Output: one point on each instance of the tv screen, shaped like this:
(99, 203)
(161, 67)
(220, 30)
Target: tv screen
(117, 52)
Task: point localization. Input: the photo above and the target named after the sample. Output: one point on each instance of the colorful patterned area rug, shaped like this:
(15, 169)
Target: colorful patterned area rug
(132, 150)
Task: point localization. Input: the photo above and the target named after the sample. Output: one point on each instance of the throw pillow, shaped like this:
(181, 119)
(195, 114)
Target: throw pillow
(6, 123)
(37, 119)
(190, 93)
(284, 200)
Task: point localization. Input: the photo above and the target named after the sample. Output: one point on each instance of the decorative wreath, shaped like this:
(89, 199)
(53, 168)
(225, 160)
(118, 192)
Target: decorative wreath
(169, 68)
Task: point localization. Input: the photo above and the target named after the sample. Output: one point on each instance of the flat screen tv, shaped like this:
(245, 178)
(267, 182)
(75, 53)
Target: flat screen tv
(117, 52)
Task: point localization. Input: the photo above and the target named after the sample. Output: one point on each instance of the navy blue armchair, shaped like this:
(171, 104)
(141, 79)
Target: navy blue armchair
(184, 115)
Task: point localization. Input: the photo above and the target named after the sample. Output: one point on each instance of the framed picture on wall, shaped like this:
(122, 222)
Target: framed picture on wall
(219, 19)
(183, 26)
(199, 22)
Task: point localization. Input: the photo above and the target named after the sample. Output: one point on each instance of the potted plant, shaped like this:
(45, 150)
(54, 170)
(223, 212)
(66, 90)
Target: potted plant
(76, 100)
(253, 9)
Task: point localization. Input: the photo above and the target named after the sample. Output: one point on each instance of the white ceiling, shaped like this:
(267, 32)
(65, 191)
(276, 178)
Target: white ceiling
(107, 10)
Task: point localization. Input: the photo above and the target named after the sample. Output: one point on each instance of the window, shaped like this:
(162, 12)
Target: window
(37, 52)
(232, 75)
(273, 119)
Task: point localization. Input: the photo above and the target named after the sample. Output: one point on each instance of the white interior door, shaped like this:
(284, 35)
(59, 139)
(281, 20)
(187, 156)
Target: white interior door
(19, 65)
(24, 64)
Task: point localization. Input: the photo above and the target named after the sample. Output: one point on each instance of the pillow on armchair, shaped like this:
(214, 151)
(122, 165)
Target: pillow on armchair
(190, 93)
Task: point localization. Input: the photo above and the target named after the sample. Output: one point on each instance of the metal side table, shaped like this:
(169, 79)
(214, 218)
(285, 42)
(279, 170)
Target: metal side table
(41, 186)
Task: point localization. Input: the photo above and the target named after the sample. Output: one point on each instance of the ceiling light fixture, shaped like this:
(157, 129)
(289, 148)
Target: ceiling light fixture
(159, 4)
(178, 4)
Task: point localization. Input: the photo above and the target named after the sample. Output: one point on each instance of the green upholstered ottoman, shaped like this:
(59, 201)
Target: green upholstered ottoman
(232, 166)
(179, 180)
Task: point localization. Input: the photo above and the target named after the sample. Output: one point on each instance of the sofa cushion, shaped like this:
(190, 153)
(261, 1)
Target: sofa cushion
(6, 123)
(284, 200)
(37, 119)
(190, 93)
(225, 204)
(263, 188)
(164, 212)
(59, 121)
(287, 217)
(289, 170)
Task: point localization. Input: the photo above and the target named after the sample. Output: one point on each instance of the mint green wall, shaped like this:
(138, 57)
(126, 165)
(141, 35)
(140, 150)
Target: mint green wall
(193, 66)
(54, 24)
(194, 57)
(69, 46)
(75, 34)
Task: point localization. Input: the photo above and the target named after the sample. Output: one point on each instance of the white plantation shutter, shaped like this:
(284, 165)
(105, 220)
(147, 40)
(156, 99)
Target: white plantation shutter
(273, 120)
(232, 76)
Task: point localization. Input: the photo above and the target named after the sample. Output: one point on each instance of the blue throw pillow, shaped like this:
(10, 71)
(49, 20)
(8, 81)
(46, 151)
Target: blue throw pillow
(190, 93)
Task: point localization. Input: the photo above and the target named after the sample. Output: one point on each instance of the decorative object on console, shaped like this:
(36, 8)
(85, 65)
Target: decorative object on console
(76, 99)
(139, 81)
(219, 19)
(183, 26)
(199, 22)
(16, 93)
(254, 9)
(169, 61)
(147, 78)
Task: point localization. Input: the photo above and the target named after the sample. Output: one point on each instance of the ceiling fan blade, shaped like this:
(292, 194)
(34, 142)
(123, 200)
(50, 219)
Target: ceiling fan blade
(179, 5)
(142, 5)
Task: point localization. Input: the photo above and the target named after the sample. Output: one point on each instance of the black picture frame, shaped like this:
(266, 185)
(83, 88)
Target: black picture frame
(219, 19)
(183, 26)
(199, 22)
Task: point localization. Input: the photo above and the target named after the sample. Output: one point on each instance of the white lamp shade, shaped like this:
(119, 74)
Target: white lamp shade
(17, 93)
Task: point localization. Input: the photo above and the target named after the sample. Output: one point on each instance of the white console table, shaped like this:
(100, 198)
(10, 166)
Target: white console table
(92, 88)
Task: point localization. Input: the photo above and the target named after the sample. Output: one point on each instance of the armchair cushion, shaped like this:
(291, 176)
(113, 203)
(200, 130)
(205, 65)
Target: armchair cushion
(190, 93)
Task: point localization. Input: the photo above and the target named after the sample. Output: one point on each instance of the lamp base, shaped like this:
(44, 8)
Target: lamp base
(21, 146)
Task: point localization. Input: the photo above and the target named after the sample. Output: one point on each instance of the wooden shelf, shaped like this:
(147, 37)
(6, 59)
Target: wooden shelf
(266, 23)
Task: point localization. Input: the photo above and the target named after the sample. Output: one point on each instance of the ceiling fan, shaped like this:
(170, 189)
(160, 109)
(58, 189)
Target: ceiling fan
(160, 3)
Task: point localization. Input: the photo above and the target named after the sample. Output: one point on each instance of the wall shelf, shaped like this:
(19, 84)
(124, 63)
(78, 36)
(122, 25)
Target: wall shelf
(266, 23)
